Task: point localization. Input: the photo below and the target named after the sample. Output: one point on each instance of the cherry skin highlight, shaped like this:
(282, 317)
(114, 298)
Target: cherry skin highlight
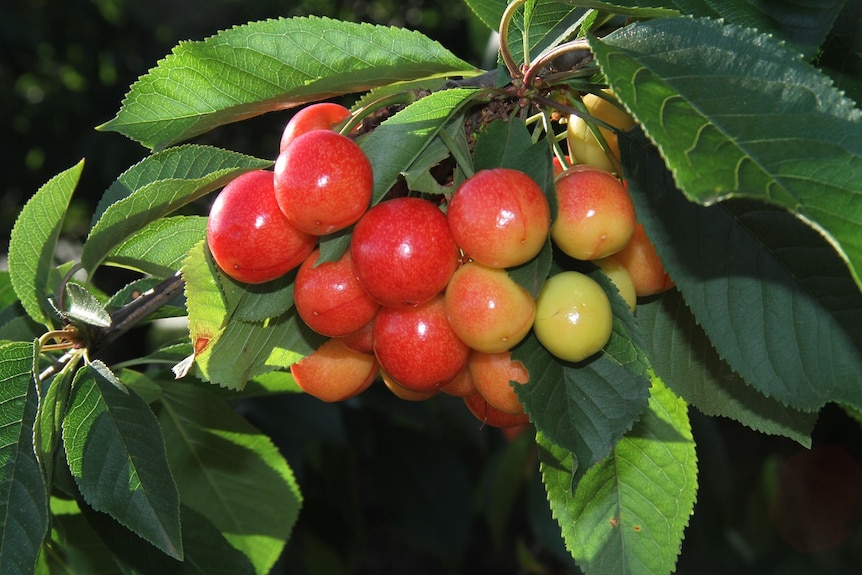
(323, 182)
(249, 237)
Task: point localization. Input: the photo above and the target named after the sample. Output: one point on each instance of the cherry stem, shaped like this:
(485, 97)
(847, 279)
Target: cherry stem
(579, 45)
(505, 54)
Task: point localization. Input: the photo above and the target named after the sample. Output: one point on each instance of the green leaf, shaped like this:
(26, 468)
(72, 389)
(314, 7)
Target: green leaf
(159, 248)
(271, 65)
(47, 426)
(684, 358)
(244, 350)
(207, 552)
(23, 494)
(34, 238)
(7, 292)
(116, 453)
(586, 407)
(842, 53)
(228, 351)
(229, 472)
(84, 307)
(258, 302)
(639, 8)
(398, 142)
(544, 24)
(629, 512)
(205, 300)
(796, 142)
(157, 186)
(772, 295)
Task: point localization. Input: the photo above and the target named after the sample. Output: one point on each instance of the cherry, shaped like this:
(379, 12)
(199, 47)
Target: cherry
(492, 374)
(644, 265)
(334, 372)
(249, 237)
(490, 415)
(487, 309)
(595, 215)
(330, 299)
(403, 252)
(499, 217)
(416, 346)
(317, 116)
(573, 316)
(323, 182)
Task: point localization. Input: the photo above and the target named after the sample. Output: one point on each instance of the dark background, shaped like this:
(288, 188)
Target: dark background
(65, 68)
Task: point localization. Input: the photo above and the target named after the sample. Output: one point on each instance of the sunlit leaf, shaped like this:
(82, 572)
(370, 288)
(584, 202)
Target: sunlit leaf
(629, 512)
(83, 307)
(270, 65)
(159, 248)
(34, 238)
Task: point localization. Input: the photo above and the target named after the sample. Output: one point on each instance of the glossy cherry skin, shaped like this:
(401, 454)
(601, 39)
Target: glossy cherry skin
(403, 252)
(329, 298)
(416, 347)
(595, 214)
(488, 310)
(499, 217)
(334, 372)
(249, 237)
(317, 116)
(323, 182)
(645, 268)
(492, 373)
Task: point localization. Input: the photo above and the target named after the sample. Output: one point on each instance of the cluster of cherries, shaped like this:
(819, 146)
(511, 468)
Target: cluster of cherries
(422, 298)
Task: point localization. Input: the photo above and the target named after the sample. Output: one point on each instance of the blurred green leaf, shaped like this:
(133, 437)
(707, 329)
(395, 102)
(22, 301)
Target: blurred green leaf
(736, 114)
(156, 187)
(772, 295)
(34, 239)
(23, 494)
(116, 453)
(270, 65)
(229, 472)
(629, 512)
(158, 249)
